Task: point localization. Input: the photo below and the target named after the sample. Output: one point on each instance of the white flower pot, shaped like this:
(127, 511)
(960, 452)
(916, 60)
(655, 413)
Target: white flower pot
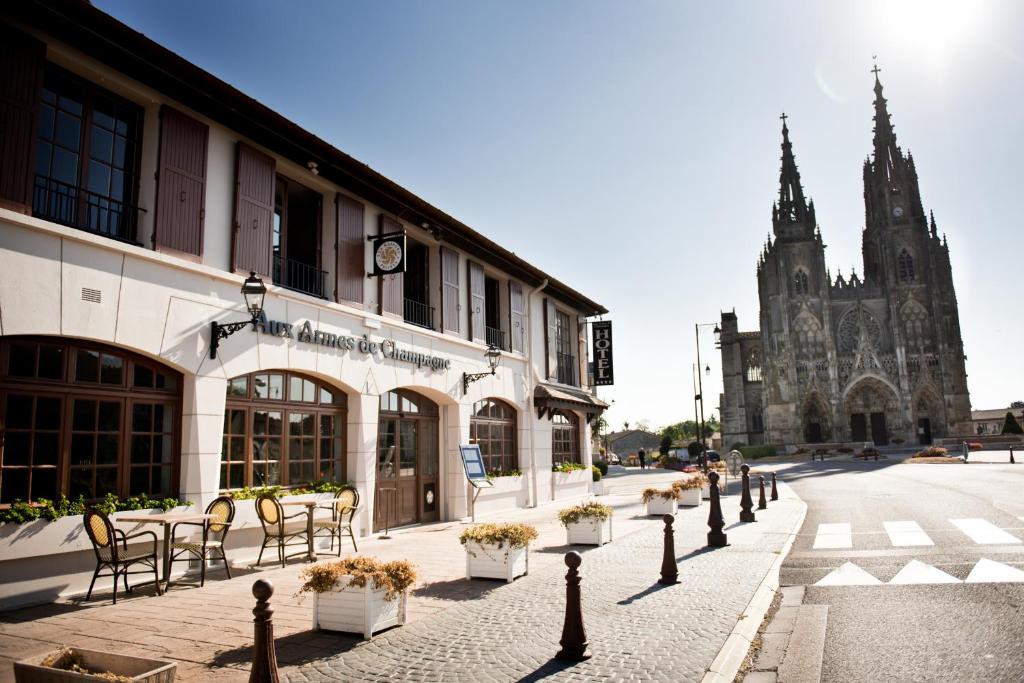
(597, 488)
(660, 506)
(491, 562)
(590, 531)
(689, 498)
(355, 609)
(705, 493)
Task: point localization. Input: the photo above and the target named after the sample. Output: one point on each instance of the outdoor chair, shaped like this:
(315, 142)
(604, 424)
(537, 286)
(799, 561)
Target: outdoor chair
(277, 532)
(211, 543)
(113, 553)
(343, 509)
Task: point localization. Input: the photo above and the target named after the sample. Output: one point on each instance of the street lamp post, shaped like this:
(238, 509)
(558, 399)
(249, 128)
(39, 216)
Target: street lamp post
(700, 386)
(253, 290)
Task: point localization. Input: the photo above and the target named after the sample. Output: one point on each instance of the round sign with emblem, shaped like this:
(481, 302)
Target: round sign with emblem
(734, 461)
(388, 255)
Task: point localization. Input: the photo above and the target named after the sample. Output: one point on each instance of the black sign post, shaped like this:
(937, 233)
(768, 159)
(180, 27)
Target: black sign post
(604, 366)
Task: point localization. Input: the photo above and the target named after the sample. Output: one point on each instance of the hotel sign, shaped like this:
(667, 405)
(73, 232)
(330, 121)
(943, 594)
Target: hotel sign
(604, 365)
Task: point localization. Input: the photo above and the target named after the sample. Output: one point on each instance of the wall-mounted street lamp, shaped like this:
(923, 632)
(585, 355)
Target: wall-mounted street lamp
(253, 290)
(493, 356)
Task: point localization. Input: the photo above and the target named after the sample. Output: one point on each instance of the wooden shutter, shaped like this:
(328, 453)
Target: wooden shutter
(22, 59)
(254, 211)
(392, 287)
(517, 316)
(351, 249)
(449, 290)
(181, 183)
(477, 302)
(551, 338)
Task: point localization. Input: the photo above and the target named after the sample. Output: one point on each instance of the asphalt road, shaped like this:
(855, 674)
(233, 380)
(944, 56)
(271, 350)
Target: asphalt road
(925, 630)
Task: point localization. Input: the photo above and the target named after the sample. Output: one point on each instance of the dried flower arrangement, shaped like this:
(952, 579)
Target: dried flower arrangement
(666, 494)
(394, 577)
(66, 659)
(513, 534)
(589, 510)
(697, 481)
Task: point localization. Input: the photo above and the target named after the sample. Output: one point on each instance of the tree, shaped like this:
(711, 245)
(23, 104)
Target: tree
(666, 443)
(599, 425)
(1017, 404)
(1011, 426)
(625, 426)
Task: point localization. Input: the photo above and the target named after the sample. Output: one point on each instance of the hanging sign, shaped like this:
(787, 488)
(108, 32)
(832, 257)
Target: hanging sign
(389, 254)
(604, 366)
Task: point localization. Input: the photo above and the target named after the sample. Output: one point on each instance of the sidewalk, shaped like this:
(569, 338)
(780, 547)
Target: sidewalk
(458, 629)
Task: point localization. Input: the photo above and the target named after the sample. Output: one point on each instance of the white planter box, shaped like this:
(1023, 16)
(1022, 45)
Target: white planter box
(597, 488)
(660, 506)
(690, 498)
(705, 493)
(492, 562)
(355, 609)
(575, 484)
(507, 493)
(590, 531)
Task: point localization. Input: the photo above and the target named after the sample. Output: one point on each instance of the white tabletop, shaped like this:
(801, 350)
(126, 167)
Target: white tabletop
(166, 517)
(307, 503)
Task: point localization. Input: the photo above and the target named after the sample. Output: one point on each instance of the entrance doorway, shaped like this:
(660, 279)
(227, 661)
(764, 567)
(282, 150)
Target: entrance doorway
(859, 423)
(407, 461)
(924, 431)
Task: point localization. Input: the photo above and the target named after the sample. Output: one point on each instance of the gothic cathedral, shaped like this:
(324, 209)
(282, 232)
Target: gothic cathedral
(849, 359)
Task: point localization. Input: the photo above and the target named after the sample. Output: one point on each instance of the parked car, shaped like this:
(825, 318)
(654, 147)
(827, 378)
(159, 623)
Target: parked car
(713, 456)
(680, 453)
(613, 459)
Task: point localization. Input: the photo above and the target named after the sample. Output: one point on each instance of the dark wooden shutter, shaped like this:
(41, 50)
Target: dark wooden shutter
(551, 338)
(392, 287)
(517, 316)
(477, 302)
(181, 183)
(22, 59)
(254, 211)
(449, 290)
(351, 246)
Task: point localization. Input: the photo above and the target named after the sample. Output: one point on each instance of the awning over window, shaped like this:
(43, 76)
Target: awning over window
(548, 398)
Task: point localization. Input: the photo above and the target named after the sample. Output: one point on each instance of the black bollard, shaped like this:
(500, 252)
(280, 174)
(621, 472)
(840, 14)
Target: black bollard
(1012, 461)
(762, 504)
(746, 502)
(716, 539)
(669, 570)
(264, 659)
(574, 636)
(775, 491)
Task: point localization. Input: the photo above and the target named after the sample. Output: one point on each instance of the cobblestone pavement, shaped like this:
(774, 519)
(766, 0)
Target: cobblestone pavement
(457, 629)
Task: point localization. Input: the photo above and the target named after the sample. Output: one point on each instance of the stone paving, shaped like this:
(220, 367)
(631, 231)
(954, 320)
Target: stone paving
(458, 629)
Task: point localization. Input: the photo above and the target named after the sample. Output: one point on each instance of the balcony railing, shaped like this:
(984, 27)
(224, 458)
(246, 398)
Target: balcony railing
(419, 314)
(495, 337)
(79, 208)
(566, 371)
(299, 276)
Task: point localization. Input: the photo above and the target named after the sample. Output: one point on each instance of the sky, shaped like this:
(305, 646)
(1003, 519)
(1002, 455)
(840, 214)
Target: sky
(631, 149)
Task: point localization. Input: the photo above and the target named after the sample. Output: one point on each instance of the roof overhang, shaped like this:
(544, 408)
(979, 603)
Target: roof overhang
(548, 398)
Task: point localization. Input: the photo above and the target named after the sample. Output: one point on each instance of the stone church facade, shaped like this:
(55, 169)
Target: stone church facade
(874, 358)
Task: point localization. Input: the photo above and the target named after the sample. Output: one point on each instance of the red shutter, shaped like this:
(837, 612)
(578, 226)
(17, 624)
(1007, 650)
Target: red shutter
(551, 338)
(181, 183)
(22, 59)
(254, 211)
(449, 290)
(517, 316)
(392, 287)
(351, 246)
(477, 302)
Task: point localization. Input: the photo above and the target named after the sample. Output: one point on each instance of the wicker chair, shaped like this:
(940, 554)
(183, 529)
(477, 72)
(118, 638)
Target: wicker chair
(118, 558)
(343, 509)
(214, 535)
(276, 531)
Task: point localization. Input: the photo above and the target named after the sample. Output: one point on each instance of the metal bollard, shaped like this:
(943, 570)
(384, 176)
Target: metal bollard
(775, 491)
(264, 659)
(669, 570)
(762, 504)
(574, 636)
(746, 502)
(716, 539)
(1012, 461)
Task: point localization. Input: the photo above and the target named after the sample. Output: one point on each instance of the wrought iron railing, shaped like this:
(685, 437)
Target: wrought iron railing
(566, 370)
(419, 314)
(495, 337)
(79, 208)
(299, 276)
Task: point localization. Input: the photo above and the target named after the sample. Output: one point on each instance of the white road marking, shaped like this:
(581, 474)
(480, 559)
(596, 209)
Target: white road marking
(919, 572)
(848, 575)
(907, 533)
(984, 532)
(833, 536)
(990, 571)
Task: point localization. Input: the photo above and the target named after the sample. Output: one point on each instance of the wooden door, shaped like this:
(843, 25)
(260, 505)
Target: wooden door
(879, 432)
(858, 427)
(427, 486)
(924, 431)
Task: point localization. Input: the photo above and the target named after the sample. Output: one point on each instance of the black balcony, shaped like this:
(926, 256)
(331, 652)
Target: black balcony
(299, 276)
(76, 207)
(495, 337)
(566, 370)
(419, 314)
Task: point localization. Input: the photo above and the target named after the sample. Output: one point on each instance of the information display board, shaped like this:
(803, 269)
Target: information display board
(473, 461)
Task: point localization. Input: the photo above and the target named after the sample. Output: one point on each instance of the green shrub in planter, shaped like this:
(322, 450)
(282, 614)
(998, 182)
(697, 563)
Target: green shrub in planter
(603, 466)
(596, 472)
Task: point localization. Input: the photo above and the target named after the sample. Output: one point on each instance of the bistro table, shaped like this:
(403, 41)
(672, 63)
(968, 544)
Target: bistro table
(310, 506)
(167, 519)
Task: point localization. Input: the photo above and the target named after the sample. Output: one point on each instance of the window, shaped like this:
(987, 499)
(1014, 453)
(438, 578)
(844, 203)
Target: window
(85, 420)
(86, 156)
(800, 282)
(282, 429)
(565, 438)
(753, 366)
(416, 286)
(563, 350)
(905, 267)
(492, 315)
(295, 238)
(493, 427)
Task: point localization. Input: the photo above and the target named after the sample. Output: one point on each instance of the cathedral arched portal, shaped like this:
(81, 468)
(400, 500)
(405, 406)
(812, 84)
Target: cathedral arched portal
(815, 415)
(873, 410)
(928, 415)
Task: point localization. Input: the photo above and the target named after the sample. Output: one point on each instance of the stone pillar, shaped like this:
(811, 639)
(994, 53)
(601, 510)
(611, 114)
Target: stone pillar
(361, 455)
(455, 431)
(202, 427)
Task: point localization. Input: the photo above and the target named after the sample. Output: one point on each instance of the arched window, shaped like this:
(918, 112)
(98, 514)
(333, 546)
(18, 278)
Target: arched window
(282, 429)
(85, 419)
(493, 427)
(753, 369)
(905, 267)
(800, 282)
(565, 438)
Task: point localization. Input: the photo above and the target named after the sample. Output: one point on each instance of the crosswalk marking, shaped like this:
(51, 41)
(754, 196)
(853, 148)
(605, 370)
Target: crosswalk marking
(833, 536)
(919, 572)
(990, 571)
(848, 575)
(907, 534)
(982, 531)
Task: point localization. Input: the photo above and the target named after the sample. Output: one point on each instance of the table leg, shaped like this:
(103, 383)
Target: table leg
(309, 533)
(167, 556)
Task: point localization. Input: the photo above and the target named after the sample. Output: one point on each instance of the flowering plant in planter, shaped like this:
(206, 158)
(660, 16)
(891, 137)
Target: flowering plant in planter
(511, 540)
(697, 482)
(512, 534)
(588, 510)
(394, 577)
(665, 494)
(567, 467)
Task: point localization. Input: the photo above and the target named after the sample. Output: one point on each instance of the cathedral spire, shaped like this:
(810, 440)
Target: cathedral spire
(886, 151)
(792, 207)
